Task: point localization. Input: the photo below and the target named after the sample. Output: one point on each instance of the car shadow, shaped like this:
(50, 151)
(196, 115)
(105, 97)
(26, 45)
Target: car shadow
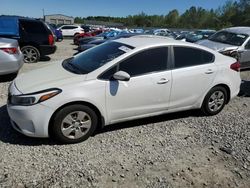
(149, 120)
(7, 78)
(11, 136)
(244, 88)
(45, 58)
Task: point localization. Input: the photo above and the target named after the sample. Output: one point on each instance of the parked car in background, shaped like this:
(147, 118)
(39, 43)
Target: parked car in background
(234, 41)
(117, 81)
(93, 43)
(169, 34)
(86, 34)
(57, 32)
(199, 35)
(11, 57)
(86, 28)
(71, 30)
(34, 36)
(136, 31)
(86, 40)
(90, 44)
(181, 35)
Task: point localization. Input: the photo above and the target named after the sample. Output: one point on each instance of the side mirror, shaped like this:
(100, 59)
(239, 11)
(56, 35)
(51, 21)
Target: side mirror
(122, 76)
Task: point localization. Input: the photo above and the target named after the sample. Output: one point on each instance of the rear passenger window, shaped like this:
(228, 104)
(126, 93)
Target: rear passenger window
(33, 27)
(186, 57)
(152, 60)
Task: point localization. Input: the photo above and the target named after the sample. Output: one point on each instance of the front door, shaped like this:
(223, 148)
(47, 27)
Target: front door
(147, 91)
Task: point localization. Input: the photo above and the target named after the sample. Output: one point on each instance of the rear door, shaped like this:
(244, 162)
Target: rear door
(193, 73)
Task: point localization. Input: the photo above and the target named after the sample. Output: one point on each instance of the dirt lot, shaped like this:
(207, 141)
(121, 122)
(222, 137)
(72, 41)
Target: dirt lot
(174, 150)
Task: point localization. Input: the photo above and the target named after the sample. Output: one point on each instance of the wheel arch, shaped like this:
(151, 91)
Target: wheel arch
(227, 90)
(30, 44)
(101, 120)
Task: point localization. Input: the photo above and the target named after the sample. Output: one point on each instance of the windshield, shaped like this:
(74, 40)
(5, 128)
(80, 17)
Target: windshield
(96, 57)
(229, 38)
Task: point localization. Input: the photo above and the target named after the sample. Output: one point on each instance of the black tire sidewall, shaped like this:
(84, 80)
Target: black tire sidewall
(61, 114)
(205, 108)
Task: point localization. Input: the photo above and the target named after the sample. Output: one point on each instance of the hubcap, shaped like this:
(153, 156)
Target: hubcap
(76, 124)
(216, 101)
(30, 55)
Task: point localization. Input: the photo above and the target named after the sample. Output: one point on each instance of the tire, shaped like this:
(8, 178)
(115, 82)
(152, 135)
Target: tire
(74, 123)
(214, 101)
(31, 54)
(76, 34)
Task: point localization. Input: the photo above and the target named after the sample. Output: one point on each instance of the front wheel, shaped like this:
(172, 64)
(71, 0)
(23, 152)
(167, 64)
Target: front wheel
(214, 101)
(74, 124)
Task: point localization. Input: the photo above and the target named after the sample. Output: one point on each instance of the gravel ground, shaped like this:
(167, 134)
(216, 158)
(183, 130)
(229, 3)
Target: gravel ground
(174, 150)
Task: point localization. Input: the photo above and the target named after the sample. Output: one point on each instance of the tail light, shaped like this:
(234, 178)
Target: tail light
(10, 50)
(51, 40)
(235, 66)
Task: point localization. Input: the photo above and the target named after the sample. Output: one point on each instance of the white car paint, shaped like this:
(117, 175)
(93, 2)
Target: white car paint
(71, 30)
(118, 101)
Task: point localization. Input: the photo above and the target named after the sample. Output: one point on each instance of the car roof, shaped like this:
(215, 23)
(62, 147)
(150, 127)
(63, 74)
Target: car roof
(239, 30)
(140, 41)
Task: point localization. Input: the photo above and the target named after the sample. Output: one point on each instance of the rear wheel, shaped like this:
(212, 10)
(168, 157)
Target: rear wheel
(31, 54)
(74, 124)
(214, 101)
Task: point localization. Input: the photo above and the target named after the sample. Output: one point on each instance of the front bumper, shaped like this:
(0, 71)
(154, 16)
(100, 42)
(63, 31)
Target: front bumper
(31, 120)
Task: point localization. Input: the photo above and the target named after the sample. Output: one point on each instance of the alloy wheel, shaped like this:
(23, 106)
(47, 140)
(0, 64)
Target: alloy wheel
(76, 124)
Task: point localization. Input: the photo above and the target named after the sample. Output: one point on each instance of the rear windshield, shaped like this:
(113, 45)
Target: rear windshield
(229, 38)
(96, 57)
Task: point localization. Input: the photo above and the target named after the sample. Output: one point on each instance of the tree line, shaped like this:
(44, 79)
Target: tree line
(232, 13)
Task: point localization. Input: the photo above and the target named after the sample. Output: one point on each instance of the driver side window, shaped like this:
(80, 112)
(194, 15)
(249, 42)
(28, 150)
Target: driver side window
(145, 62)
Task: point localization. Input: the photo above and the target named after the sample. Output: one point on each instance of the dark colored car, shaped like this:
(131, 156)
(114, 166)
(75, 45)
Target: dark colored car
(86, 34)
(57, 32)
(86, 28)
(199, 35)
(34, 37)
(96, 41)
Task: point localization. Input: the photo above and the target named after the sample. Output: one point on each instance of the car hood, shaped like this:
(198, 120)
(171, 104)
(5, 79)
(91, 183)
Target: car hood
(50, 76)
(220, 47)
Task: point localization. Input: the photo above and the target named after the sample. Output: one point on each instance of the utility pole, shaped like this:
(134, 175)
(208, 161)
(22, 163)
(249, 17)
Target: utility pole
(43, 15)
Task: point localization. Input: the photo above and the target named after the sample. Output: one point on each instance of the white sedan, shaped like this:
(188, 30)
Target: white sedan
(120, 80)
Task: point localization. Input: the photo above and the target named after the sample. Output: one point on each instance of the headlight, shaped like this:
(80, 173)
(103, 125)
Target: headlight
(33, 98)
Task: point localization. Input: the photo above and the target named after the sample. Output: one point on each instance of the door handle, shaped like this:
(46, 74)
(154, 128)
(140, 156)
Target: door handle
(163, 81)
(209, 71)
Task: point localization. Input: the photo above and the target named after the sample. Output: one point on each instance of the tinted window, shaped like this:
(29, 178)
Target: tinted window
(152, 60)
(94, 58)
(109, 73)
(69, 27)
(33, 27)
(229, 38)
(185, 57)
